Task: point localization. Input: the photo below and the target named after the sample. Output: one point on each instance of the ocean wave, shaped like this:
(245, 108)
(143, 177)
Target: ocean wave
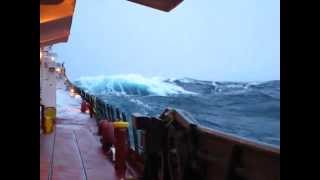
(135, 84)
(130, 84)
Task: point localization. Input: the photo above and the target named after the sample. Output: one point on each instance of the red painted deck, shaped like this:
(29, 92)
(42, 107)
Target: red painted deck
(73, 152)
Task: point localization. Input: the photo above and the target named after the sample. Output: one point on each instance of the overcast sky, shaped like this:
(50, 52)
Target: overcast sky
(236, 40)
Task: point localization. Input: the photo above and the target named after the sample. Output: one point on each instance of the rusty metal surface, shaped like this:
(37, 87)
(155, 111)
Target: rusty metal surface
(213, 154)
(224, 156)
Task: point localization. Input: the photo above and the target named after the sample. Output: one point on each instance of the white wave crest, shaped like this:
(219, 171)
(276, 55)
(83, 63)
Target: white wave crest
(130, 84)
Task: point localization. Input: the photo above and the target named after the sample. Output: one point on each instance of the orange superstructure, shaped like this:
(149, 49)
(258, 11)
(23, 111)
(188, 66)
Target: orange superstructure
(55, 21)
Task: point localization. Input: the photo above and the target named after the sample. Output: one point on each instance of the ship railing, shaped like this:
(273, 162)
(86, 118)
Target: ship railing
(186, 149)
(178, 147)
(102, 110)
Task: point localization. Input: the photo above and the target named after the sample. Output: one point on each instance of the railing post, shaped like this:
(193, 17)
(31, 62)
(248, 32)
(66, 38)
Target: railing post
(134, 133)
(108, 112)
(112, 114)
(121, 146)
(104, 111)
(124, 117)
(118, 114)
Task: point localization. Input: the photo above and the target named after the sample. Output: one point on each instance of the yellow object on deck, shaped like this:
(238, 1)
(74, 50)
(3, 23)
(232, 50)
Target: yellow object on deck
(120, 124)
(48, 120)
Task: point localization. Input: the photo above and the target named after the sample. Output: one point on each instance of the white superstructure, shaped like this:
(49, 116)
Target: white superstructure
(50, 72)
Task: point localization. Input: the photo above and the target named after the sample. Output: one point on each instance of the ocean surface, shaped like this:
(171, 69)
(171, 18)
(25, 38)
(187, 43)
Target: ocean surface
(247, 109)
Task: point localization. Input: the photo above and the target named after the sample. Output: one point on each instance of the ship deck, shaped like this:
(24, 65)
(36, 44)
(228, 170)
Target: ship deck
(73, 150)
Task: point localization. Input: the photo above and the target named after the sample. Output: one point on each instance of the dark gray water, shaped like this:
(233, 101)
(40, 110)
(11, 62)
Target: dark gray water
(250, 110)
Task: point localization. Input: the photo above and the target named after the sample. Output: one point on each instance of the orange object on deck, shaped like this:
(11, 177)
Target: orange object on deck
(107, 132)
(121, 146)
(84, 106)
(91, 112)
(163, 5)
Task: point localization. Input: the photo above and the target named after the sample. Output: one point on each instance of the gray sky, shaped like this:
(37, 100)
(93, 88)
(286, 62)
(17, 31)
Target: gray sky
(237, 40)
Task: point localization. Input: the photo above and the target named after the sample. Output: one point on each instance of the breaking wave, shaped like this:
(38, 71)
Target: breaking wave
(131, 84)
